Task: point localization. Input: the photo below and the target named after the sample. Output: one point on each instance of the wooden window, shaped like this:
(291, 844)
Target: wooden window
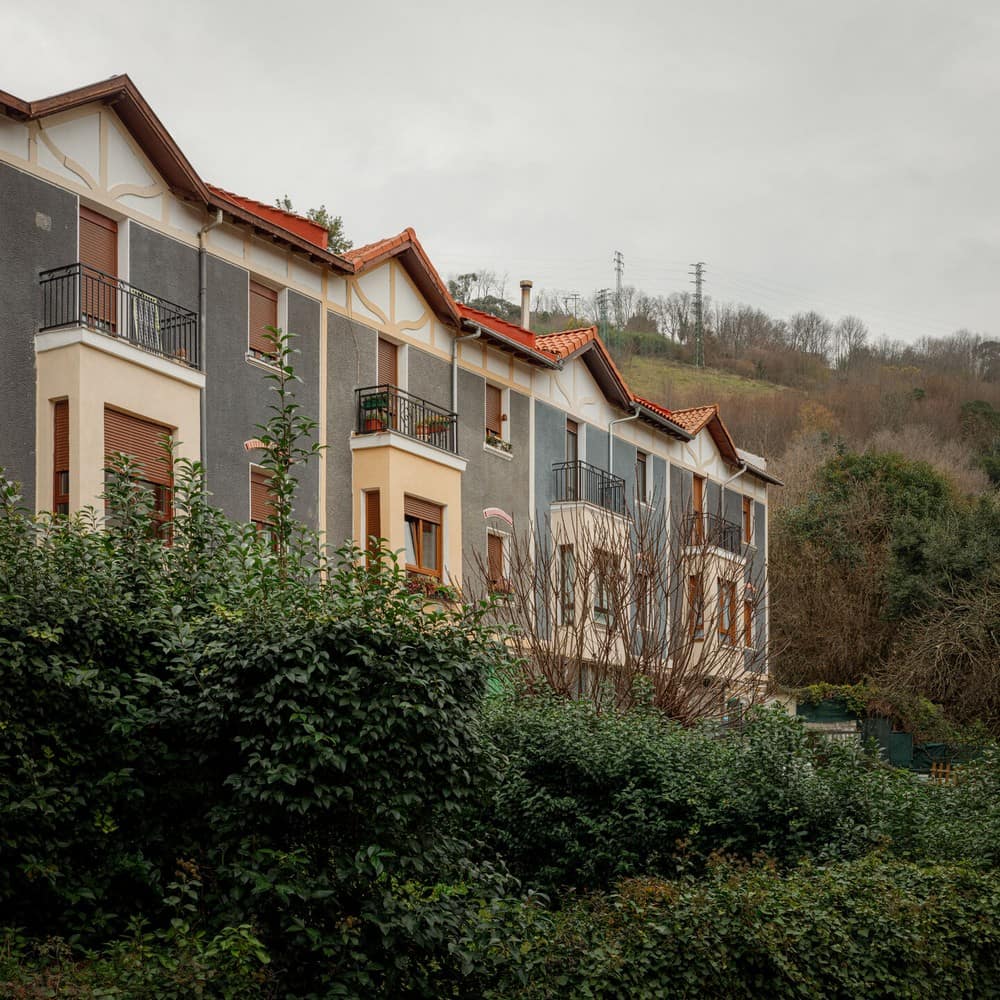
(60, 464)
(727, 612)
(640, 476)
(373, 521)
(263, 313)
(748, 624)
(144, 442)
(604, 597)
(572, 441)
(747, 520)
(423, 536)
(698, 510)
(644, 617)
(696, 606)
(496, 564)
(494, 411)
(567, 585)
(98, 270)
(388, 363)
(262, 510)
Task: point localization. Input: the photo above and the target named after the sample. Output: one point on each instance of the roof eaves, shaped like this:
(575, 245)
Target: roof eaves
(516, 347)
(652, 416)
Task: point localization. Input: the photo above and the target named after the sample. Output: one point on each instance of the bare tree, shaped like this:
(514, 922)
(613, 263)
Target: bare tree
(604, 604)
(849, 337)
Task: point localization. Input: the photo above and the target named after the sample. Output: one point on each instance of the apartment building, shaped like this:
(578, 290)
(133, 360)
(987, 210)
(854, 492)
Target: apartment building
(134, 300)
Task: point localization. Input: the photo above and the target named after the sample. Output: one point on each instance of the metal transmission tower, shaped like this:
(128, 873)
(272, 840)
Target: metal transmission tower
(698, 273)
(619, 271)
(573, 297)
(603, 294)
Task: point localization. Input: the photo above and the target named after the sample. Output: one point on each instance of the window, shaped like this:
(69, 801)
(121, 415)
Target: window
(495, 418)
(640, 476)
(567, 585)
(645, 617)
(388, 363)
(423, 537)
(572, 441)
(263, 313)
(262, 510)
(696, 606)
(748, 624)
(604, 598)
(373, 522)
(727, 612)
(496, 559)
(143, 441)
(698, 510)
(98, 270)
(747, 520)
(60, 464)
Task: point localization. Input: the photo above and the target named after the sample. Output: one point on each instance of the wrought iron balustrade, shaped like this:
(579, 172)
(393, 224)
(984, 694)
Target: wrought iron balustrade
(713, 530)
(77, 294)
(387, 408)
(584, 483)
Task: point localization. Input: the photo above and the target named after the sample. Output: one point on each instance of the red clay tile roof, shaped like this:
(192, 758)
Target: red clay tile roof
(567, 342)
(298, 224)
(371, 251)
(655, 407)
(693, 418)
(509, 330)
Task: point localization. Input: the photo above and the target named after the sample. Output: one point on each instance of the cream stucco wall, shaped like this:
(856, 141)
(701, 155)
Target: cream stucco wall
(91, 375)
(396, 471)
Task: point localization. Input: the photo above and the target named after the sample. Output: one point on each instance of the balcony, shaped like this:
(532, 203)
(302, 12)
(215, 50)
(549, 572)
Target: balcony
(76, 295)
(386, 408)
(578, 482)
(713, 531)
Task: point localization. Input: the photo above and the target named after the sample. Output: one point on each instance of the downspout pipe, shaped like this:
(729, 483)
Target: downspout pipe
(454, 364)
(202, 323)
(611, 437)
(722, 490)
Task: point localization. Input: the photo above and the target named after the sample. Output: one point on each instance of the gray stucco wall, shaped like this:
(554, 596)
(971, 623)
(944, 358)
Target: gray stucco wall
(38, 224)
(238, 392)
(550, 447)
(163, 267)
(351, 364)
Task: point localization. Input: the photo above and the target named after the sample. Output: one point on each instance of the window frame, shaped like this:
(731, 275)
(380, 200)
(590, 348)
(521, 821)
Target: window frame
(696, 607)
(501, 584)
(567, 584)
(500, 439)
(642, 482)
(748, 513)
(602, 609)
(748, 639)
(418, 568)
(726, 599)
(269, 358)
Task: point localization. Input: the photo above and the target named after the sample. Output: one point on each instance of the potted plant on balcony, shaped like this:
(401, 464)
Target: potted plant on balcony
(495, 441)
(376, 410)
(432, 425)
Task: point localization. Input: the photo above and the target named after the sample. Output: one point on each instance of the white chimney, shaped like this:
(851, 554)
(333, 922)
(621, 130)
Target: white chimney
(525, 304)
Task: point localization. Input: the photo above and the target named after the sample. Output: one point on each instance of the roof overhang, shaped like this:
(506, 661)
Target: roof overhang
(650, 416)
(511, 346)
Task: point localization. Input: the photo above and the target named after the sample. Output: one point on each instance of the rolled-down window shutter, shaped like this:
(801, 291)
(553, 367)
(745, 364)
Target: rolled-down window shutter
(414, 507)
(143, 441)
(494, 554)
(261, 497)
(60, 465)
(98, 242)
(387, 358)
(263, 313)
(494, 410)
(373, 517)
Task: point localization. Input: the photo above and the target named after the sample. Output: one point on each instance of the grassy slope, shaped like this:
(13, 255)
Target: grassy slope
(662, 380)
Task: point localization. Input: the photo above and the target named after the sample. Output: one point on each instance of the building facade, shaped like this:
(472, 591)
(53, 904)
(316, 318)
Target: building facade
(134, 302)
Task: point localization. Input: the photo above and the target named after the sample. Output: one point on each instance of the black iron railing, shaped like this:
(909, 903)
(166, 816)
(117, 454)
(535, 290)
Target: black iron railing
(713, 530)
(77, 294)
(386, 408)
(580, 482)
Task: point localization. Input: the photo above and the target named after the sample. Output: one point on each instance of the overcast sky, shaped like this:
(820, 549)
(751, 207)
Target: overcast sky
(837, 155)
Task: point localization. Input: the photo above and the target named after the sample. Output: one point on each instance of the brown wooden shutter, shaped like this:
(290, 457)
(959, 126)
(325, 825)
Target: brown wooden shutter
(263, 313)
(494, 558)
(414, 507)
(698, 494)
(494, 409)
(60, 465)
(261, 497)
(98, 253)
(373, 518)
(98, 242)
(143, 440)
(747, 520)
(387, 358)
